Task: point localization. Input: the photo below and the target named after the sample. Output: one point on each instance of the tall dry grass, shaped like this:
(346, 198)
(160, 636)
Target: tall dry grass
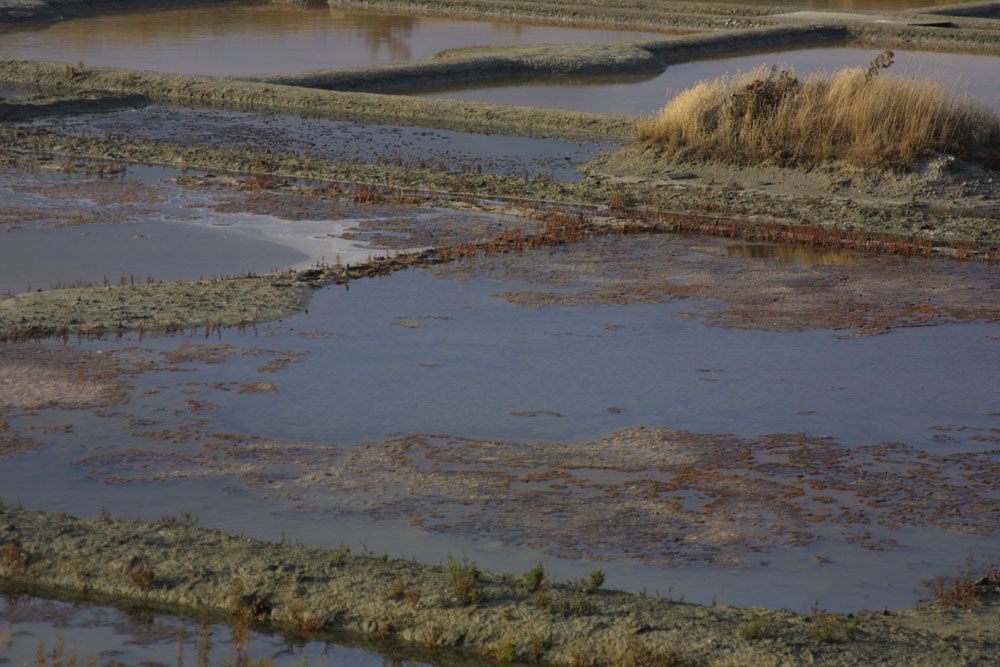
(856, 116)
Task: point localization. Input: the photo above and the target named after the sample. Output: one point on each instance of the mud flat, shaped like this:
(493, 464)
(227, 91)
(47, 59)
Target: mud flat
(340, 141)
(251, 96)
(769, 212)
(189, 569)
(943, 202)
(178, 305)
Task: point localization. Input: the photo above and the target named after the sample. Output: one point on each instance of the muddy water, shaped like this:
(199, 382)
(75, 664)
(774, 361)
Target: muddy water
(416, 353)
(796, 255)
(979, 76)
(342, 141)
(59, 229)
(265, 37)
(90, 634)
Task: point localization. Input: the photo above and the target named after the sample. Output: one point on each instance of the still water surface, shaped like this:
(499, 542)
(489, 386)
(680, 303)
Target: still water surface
(255, 37)
(977, 75)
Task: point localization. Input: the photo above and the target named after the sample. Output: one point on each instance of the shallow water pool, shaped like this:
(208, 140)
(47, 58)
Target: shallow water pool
(256, 37)
(368, 368)
(68, 229)
(89, 634)
(977, 75)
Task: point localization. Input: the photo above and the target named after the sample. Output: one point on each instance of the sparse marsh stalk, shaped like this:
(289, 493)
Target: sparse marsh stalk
(204, 644)
(465, 580)
(534, 578)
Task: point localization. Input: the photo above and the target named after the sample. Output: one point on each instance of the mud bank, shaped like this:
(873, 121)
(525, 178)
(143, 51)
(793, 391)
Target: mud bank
(176, 306)
(480, 64)
(177, 566)
(225, 93)
(642, 14)
(987, 9)
(33, 108)
(945, 204)
(17, 11)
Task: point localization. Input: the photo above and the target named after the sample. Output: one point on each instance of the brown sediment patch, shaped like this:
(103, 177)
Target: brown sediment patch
(407, 324)
(868, 294)
(210, 353)
(290, 203)
(276, 365)
(34, 378)
(164, 307)
(258, 388)
(12, 444)
(67, 215)
(442, 229)
(655, 495)
(103, 191)
(534, 413)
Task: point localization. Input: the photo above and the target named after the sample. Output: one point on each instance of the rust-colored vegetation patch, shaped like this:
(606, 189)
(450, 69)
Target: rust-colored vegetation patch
(109, 191)
(657, 495)
(70, 202)
(769, 287)
(210, 353)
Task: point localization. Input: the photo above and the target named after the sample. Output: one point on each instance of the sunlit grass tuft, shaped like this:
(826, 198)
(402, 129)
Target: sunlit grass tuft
(857, 116)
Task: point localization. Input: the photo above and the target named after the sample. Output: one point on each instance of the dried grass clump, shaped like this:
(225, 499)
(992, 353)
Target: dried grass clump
(856, 116)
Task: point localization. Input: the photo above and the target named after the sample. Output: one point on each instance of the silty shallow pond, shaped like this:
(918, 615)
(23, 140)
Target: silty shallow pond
(977, 75)
(419, 354)
(255, 37)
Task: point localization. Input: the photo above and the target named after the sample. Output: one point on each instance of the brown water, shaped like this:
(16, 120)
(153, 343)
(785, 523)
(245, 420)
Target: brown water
(977, 75)
(248, 38)
(793, 255)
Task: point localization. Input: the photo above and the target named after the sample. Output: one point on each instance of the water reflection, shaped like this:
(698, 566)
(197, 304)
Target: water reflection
(975, 75)
(248, 38)
(50, 632)
(793, 255)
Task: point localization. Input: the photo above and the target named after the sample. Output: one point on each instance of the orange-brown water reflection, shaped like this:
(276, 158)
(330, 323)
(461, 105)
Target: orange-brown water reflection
(246, 38)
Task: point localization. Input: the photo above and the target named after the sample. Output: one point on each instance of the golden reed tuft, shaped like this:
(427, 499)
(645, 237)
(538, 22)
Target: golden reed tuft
(854, 116)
